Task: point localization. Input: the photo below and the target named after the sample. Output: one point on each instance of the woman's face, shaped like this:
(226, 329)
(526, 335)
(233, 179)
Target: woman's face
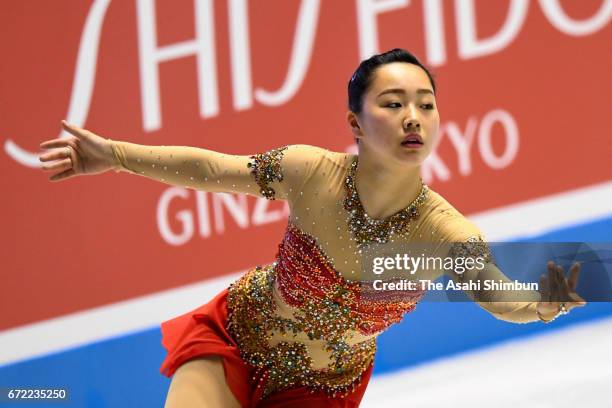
(399, 102)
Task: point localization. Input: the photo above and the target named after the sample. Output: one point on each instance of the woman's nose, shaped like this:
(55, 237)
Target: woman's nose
(412, 123)
(411, 118)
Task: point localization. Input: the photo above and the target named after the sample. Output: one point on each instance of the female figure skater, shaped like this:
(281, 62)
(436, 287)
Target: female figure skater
(300, 331)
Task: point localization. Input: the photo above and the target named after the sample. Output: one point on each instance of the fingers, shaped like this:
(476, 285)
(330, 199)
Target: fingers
(58, 165)
(73, 129)
(56, 155)
(63, 160)
(576, 300)
(63, 175)
(573, 279)
(561, 282)
(546, 285)
(61, 142)
(553, 283)
(557, 285)
(556, 288)
(563, 285)
(544, 289)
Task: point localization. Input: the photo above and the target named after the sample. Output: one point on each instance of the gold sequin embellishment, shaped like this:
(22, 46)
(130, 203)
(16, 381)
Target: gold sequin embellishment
(252, 321)
(266, 168)
(367, 230)
(473, 247)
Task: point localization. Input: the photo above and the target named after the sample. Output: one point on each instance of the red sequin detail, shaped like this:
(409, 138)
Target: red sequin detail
(305, 275)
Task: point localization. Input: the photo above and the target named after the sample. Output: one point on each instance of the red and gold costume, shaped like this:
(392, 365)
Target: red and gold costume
(304, 327)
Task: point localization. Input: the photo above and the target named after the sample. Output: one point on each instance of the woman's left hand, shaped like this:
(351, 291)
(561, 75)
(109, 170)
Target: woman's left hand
(558, 293)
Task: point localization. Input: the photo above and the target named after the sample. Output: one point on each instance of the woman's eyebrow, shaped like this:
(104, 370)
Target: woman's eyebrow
(399, 90)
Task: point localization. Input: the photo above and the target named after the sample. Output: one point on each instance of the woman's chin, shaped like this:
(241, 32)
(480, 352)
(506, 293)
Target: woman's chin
(412, 157)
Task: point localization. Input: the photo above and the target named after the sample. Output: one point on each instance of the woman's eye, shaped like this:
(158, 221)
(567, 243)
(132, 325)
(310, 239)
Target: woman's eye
(398, 105)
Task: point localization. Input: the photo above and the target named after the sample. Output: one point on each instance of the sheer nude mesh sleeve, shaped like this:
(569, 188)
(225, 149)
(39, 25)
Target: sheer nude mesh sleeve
(518, 306)
(275, 174)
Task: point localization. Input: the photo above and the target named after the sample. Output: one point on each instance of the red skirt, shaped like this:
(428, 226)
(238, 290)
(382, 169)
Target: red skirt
(202, 332)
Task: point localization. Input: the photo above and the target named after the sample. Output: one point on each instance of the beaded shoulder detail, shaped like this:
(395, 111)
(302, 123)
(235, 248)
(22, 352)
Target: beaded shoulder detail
(266, 168)
(472, 247)
(367, 230)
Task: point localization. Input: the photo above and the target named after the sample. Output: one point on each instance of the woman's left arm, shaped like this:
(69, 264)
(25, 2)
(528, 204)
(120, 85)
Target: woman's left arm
(556, 293)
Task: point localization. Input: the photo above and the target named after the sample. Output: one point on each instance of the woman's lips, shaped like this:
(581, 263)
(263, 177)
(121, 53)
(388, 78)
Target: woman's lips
(413, 141)
(413, 145)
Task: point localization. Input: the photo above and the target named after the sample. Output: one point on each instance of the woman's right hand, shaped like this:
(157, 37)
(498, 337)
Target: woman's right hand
(85, 153)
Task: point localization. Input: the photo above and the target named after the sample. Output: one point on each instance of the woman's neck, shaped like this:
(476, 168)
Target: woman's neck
(385, 187)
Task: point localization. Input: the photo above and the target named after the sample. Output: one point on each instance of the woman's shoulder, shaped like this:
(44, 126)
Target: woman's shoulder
(436, 204)
(448, 223)
(305, 152)
(317, 159)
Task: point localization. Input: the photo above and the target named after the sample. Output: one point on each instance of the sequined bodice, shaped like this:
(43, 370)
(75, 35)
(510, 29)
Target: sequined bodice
(308, 281)
(328, 312)
(254, 323)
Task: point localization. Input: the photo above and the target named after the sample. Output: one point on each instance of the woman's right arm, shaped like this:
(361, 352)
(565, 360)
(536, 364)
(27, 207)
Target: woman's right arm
(278, 173)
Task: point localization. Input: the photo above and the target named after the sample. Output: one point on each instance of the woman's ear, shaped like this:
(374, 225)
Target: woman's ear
(353, 122)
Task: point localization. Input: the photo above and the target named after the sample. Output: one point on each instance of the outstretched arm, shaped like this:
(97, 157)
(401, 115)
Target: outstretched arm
(278, 173)
(199, 169)
(556, 293)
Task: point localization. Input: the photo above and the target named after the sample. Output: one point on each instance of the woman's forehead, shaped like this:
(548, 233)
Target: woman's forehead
(400, 75)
